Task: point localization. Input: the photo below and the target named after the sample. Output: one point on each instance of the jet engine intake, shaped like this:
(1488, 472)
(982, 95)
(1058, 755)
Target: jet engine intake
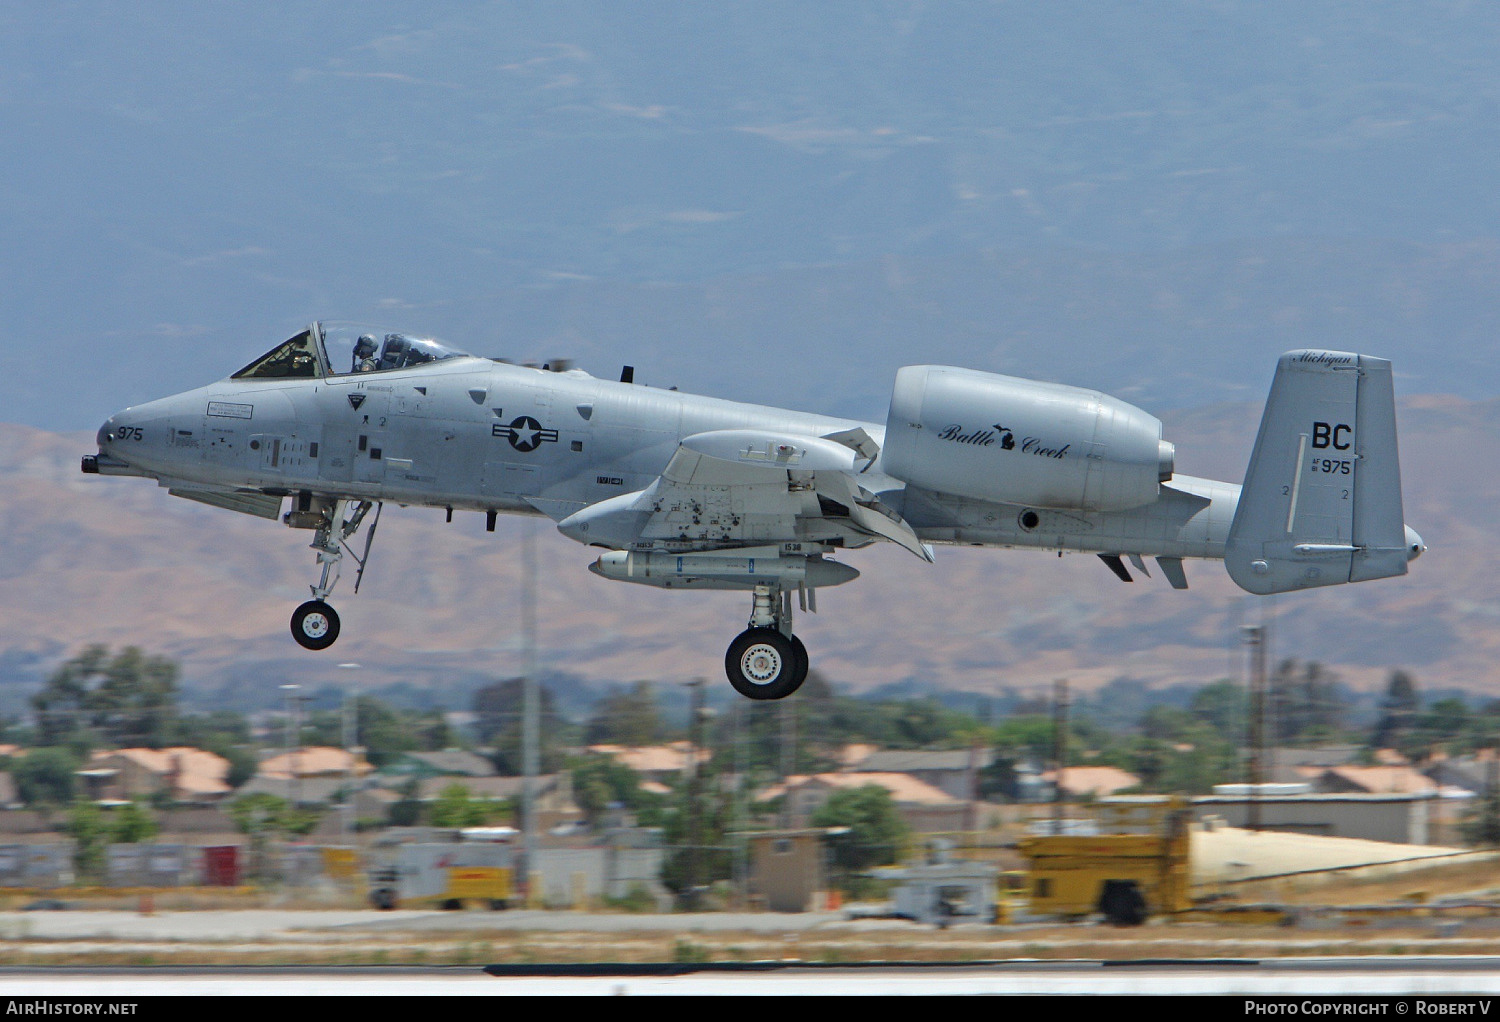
(999, 438)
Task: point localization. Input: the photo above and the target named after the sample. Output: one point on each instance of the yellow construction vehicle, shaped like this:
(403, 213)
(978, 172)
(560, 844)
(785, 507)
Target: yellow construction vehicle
(1124, 876)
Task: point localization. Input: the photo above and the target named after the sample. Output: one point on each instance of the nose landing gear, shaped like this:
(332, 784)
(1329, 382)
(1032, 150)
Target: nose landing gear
(315, 624)
(766, 661)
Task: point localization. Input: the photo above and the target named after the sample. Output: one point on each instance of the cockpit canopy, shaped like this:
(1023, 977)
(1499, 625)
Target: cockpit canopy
(340, 349)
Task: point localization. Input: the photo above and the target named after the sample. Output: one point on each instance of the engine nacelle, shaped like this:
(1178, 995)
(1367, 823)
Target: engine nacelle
(1017, 441)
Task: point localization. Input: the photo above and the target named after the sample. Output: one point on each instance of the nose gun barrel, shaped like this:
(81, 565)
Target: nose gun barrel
(104, 465)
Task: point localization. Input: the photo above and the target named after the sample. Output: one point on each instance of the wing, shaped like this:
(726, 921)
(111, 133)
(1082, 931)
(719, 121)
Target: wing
(729, 489)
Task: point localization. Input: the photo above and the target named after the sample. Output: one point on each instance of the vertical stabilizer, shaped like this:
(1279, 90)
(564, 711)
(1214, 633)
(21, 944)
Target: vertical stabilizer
(1321, 504)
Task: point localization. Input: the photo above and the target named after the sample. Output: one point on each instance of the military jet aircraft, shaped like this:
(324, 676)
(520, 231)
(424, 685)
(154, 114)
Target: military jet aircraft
(688, 492)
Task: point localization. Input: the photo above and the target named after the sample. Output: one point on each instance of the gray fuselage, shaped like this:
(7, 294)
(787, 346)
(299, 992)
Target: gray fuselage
(469, 433)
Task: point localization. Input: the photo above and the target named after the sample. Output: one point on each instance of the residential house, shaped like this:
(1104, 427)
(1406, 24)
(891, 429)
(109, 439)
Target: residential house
(1402, 780)
(660, 763)
(1282, 765)
(447, 763)
(1476, 773)
(853, 754)
(954, 771)
(926, 809)
(310, 776)
(303, 791)
(313, 761)
(182, 773)
(1092, 781)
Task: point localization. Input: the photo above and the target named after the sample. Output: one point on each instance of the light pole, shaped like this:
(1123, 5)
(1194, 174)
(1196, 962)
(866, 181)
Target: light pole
(351, 747)
(530, 700)
(741, 874)
(696, 718)
(1061, 702)
(293, 727)
(1254, 636)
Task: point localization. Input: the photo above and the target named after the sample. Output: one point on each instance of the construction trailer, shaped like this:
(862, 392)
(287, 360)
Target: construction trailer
(943, 893)
(1136, 866)
(479, 867)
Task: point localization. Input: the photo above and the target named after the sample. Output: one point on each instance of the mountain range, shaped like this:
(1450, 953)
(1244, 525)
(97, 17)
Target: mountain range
(768, 201)
(116, 561)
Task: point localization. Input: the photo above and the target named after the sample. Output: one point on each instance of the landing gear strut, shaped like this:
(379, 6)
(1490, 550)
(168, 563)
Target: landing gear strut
(315, 625)
(766, 661)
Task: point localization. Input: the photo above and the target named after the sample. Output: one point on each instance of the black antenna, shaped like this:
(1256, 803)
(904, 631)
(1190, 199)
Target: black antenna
(627, 374)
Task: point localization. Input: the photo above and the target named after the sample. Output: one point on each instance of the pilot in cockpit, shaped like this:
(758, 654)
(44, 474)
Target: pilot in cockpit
(364, 354)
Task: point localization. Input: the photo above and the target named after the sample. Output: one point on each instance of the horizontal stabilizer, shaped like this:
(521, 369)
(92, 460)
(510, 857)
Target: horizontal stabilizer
(1321, 504)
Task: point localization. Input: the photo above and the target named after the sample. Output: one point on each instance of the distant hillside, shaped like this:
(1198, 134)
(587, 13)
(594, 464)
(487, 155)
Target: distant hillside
(89, 559)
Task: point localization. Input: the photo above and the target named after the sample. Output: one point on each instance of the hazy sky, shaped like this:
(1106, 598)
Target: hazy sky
(753, 199)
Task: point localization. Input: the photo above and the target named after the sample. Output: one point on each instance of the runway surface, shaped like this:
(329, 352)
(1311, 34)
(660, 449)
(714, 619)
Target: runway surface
(1400, 981)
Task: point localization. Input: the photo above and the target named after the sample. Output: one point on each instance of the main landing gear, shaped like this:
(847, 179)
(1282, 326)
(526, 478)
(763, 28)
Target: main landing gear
(315, 624)
(766, 661)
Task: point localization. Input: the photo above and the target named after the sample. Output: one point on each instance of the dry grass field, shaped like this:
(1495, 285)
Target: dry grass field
(1421, 915)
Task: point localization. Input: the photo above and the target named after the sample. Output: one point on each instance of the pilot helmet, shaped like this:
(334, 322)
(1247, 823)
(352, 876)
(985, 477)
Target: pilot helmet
(364, 347)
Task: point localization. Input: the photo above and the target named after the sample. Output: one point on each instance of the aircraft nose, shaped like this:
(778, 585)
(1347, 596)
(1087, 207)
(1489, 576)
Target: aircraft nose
(109, 460)
(1414, 546)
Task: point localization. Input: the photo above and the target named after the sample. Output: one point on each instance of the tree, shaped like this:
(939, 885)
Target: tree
(201, 729)
(455, 807)
(693, 829)
(601, 781)
(1167, 723)
(131, 824)
(1444, 723)
(627, 717)
(88, 829)
(877, 834)
(263, 813)
(1028, 735)
(1306, 706)
(385, 732)
(258, 816)
(1482, 823)
(46, 776)
(1189, 767)
(407, 812)
(499, 707)
(1225, 707)
(127, 700)
(1398, 711)
(243, 764)
(430, 730)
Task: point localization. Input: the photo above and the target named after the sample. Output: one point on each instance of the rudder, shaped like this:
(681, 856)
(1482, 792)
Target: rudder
(1321, 503)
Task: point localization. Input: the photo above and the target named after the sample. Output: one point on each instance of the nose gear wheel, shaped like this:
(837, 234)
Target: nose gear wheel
(315, 625)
